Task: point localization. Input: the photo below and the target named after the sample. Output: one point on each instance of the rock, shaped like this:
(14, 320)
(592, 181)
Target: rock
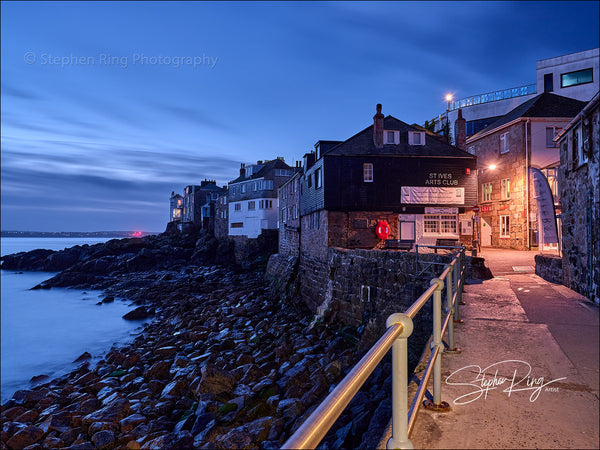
(245, 436)
(12, 413)
(130, 422)
(84, 356)
(104, 440)
(215, 380)
(112, 413)
(159, 370)
(138, 313)
(25, 437)
(289, 408)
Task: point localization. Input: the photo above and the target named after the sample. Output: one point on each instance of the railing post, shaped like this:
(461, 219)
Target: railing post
(437, 403)
(449, 305)
(399, 437)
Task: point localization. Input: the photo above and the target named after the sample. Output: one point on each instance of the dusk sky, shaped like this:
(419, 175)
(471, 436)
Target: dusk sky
(107, 107)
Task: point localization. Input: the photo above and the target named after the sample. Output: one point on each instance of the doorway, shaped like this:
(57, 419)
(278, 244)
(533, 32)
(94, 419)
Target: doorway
(486, 233)
(407, 231)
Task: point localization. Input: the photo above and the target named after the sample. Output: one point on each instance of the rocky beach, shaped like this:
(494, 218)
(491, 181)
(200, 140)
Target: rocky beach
(223, 362)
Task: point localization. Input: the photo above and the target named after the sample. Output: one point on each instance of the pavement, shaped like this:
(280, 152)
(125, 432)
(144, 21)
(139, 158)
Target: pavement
(527, 375)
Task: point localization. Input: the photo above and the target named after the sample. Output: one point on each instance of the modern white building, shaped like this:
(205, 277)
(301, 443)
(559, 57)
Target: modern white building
(252, 200)
(575, 75)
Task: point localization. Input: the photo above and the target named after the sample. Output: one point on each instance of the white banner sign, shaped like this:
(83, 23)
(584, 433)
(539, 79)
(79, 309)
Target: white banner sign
(441, 210)
(545, 204)
(433, 195)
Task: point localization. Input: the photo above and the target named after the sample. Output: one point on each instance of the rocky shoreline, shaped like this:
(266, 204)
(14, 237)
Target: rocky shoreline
(222, 364)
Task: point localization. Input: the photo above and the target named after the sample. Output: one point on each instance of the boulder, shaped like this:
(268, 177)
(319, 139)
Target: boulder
(25, 437)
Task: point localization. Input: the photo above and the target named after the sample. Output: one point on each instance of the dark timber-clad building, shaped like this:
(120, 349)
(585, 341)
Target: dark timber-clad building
(390, 172)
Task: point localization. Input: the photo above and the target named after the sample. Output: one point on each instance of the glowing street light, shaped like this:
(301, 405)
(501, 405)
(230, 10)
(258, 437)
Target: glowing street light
(492, 166)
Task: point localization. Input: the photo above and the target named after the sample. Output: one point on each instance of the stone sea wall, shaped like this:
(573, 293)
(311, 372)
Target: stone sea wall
(549, 267)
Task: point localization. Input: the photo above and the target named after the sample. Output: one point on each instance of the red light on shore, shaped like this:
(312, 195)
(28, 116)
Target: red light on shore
(136, 234)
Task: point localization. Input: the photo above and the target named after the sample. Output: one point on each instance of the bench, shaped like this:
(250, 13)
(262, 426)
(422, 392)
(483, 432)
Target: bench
(446, 243)
(398, 244)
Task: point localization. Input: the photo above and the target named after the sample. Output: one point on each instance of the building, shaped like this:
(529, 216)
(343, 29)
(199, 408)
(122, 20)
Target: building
(175, 207)
(221, 228)
(579, 179)
(391, 175)
(574, 75)
(198, 204)
(252, 201)
(289, 216)
(506, 150)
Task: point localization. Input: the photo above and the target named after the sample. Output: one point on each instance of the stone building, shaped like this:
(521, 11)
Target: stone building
(221, 219)
(579, 179)
(198, 205)
(506, 150)
(391, 174)
(289, 216)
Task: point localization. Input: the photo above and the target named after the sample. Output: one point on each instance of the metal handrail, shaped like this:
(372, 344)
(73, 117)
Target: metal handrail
(399, 328)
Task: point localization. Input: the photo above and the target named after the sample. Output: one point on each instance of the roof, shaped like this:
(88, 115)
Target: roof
(543, 105)
(268, 166)
(361, 144)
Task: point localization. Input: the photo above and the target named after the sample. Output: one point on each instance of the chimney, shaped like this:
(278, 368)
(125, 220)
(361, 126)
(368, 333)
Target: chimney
(378, 128)
(243, 170)
(460, 131)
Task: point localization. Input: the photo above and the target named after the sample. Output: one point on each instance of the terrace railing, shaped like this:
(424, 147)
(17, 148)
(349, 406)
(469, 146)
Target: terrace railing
(399, 328)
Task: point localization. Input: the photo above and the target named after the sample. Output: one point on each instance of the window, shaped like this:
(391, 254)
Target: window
(390, 137)
(318, 180)
(548, 82)
(283, 173)
(237, 225)
(368, 172)
(267, 184)
(309, 180)
(238, 207)
(416, 138)
(440, 224)
(504, 226)
(251, 205)
(504, 143)
(581, 154)
(486, 192)
(574, 78)
(551, 133)
(265, 204)
(505, 190)
(243, 188)
(471, 149)
(254, 187)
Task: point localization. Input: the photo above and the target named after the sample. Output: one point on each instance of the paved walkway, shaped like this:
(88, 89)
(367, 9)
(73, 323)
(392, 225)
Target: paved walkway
(522, 331)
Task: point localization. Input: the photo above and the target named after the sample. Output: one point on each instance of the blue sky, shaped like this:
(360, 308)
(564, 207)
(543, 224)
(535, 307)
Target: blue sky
(107, 107)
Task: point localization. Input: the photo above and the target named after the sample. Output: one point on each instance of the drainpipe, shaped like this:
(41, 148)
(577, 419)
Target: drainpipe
(527, 183)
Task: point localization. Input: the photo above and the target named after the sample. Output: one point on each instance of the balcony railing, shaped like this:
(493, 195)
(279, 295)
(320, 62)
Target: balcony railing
(495, 96)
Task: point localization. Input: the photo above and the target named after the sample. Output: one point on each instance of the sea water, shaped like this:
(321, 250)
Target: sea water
(43, 331)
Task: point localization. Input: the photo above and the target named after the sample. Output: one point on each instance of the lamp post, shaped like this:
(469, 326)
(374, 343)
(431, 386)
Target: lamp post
(448, 100)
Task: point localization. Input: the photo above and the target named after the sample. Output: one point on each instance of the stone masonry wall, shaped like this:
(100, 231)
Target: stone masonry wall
(581, 214)
(549, 267)
(356, 229)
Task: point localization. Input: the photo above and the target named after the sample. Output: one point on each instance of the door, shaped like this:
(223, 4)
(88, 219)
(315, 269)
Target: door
(486, 233)
(407, 231)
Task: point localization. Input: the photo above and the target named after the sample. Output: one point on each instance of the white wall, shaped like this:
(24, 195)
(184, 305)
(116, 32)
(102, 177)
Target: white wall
(254, 220)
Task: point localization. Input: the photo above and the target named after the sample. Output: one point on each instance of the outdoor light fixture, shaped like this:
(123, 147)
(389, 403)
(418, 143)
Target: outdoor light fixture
(492, 166)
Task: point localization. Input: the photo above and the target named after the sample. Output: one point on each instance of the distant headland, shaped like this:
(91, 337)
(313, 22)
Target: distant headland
(76, 234)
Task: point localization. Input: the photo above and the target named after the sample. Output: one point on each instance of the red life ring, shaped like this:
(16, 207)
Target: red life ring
(382, 230)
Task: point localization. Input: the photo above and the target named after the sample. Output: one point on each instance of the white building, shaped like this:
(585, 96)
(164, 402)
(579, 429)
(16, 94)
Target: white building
(574, 75)
(253, 203)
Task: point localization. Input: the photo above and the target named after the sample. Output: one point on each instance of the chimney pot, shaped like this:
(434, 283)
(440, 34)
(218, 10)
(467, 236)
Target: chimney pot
(378, 127)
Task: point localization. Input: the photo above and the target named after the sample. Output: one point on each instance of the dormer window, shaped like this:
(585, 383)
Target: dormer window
(416, 138)
(391, 137)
